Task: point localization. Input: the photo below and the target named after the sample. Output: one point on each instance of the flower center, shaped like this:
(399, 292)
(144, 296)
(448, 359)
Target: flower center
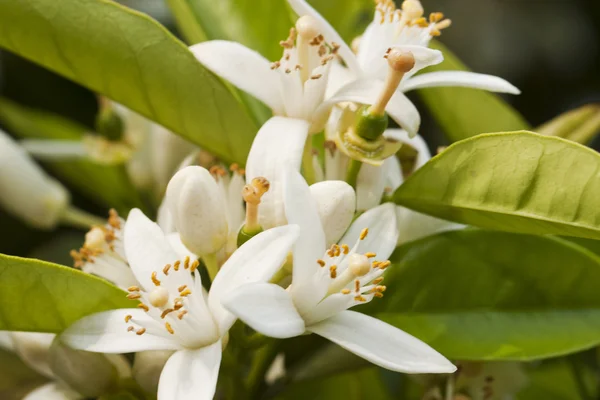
(411, 16)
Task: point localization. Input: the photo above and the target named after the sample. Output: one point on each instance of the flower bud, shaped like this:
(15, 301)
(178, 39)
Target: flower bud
(198, 210)
(336, 203)
(579, 125)
(26, 191)
(89, 374)
(147, 367)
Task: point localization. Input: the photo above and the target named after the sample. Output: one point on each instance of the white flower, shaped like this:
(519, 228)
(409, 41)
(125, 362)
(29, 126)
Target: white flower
(327, 282)
(174, 313)
(26, 191)
(197, 207)
(362, 80)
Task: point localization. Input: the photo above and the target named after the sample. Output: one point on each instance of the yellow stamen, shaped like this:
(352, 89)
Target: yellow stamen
(166, 269)
(345, 291)
(166, 312)
(168, 326)
(140, 331)
(364, 233)
(133, 289)
(143, 307)
(154, 279)
(134, 296)
(128, 318)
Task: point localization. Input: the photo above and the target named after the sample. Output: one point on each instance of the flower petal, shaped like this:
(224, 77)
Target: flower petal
(33, 348)
(301, 7)
(370, 184)
(178, 247)
(106, 332)
(191, 374)
(460, 78)
(383, 231)
(278, 143)
(146, 247)
(336, 203)
(339, 76)
(49, 149)
(413, 225)
(382, 344)
(301, 209)
(366, 91)
(244, 68)
(255, 261)
(266, 308)
(416, 142)
(52, 391)
(424, 57)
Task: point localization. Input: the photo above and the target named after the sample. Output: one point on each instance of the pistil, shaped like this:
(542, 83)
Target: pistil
(400, 63)
(307, 29)
(252, 194)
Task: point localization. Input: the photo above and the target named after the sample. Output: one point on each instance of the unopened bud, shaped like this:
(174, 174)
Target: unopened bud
(336, 203)
(26, 191)
(147, 367)
(197, 207)
(108, 122)
(89, 374)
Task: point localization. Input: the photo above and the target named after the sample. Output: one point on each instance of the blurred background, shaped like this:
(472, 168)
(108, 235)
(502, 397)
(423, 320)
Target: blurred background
(547, 48)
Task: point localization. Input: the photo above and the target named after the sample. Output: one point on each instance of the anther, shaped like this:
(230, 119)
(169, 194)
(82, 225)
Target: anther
(379, 295)
(357, 286)
(316, 76)
(159, 297)
(134, 296)
(181, 314)
(378, 280)
(321, 262)
(181, 288)
(166, 312)
(176, 264)
(345, 291)
(178, 304)
(333, 271)
(364, 233)
(166, 269)
(185, 293)
(130, 328)
(143, 307)
(360, 298)
(384, 264)
(370, 254)
(186, 263)
(140, 331)
(154, 279)
(168, 326)
(345, 248)
(133, 289)
(128, 318)
(194, 265)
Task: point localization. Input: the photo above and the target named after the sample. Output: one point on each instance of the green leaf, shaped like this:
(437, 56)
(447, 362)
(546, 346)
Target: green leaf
(132, 59)
(107, 185)
(580, 125)
(487, 295)
(16, 378)
(365, 384)
(349, 17)
(36, 296)
(555, 380)
(464, 112)
(516, 181)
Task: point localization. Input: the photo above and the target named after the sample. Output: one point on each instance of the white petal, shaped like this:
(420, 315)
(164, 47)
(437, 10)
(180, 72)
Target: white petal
(369, 186)
(338, 77)
(106, 332)
(191, 374)
(416, 142)
(266, 308)
(278, 143)
(52, 391)
(177, 245)
(34, 349)
(164, 219)
(53, 150)
(392, 174)
(146, 247)
(255, 261)
(424, 57)
(413, 225)
(301, 7)
(366, 91)
(383, 231)
(382, 344)
(301, 209)
(336, 203)
(6, 341)
(460, 78)
(244, 68)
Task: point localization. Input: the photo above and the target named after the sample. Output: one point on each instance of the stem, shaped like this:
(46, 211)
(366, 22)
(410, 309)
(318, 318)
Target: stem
(260, 364)
(77, 218)
(307, 162)
(577, 376)
(353, 170)
(450, 387)
(212, 266)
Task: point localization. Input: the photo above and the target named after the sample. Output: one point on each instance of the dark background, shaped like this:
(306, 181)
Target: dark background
(550, 49)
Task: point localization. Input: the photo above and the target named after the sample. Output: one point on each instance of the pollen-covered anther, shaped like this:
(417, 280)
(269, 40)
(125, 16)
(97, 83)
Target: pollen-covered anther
(185, 293)
(186, 263)
(359, 264)
(155, 279)
(377, 280)
(134, 296)
(345, 248)
(194, 265)
(133, 289)
(166, 312)
(217, 171)
(143, 307)
(140, 331)
(181, 288)
(321, 262)
(178, 304)
(316, 76)
(159, 297)
(345, 291)
(113, 219)
(166, 269)
(370, 254)
(275, 65)
(360, 298)
(176, 264)
(384, 264)
(364, 233)
(333, 271)
(169, 328)
(128, 318)
(130, 328)
(181, 314)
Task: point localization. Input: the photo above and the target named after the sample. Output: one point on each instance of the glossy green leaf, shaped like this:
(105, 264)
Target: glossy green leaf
(464, 112)
(488, 295)
(37, 296)
(132, 59)
(516, 181)
(580, 125)
(107, 185)
(364, 384)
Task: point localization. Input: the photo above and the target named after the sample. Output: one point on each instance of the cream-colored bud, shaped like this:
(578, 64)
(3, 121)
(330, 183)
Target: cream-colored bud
(147, 367)
(197, 207)
(336, 203)
(26, 191)
(89, 374)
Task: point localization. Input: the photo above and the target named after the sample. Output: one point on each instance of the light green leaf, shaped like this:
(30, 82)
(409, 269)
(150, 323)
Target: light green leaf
(580, 125)
(516, 181)
(464, 112)
(106, 185)
(364, 384)
(132, 59)
(36, 296)
(486, 295)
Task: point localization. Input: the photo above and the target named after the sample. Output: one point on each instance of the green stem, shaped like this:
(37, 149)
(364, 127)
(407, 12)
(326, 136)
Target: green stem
(212, 266)
(307, 162)
(450, 387)
(577, 376)
(353, 170)
(263, 359)
(80, 219)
